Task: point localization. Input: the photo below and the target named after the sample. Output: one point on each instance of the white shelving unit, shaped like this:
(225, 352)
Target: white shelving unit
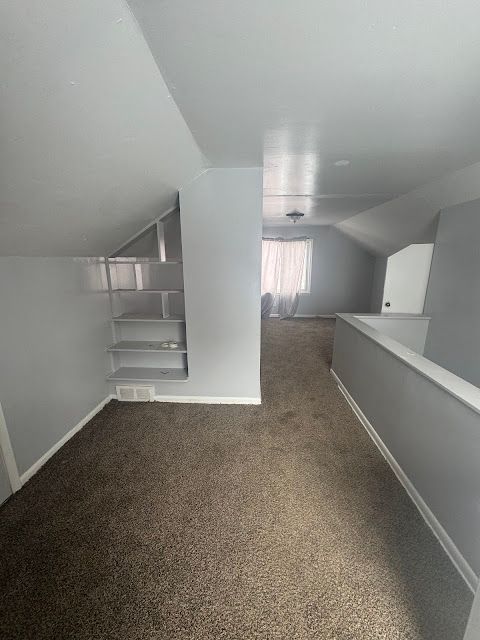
(138, 260)
(147, 317)
(142, 324)
(149, 290)
(146, 346)
(149, 374)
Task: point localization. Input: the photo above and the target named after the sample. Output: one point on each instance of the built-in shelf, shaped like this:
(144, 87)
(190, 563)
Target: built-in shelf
(147, 346)
(142, 261)
(149, 374)
(147, 290)
(137, 354)
(147, 317)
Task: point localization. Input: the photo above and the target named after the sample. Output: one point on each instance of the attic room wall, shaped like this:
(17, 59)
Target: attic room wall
(453, 294)
(221, 216)
(342, 271)
(173, 237)
(221, 224)
(55, 327)
(379, 273)
(145, 246)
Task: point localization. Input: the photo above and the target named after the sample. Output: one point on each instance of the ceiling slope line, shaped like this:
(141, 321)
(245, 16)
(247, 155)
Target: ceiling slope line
(410, 218)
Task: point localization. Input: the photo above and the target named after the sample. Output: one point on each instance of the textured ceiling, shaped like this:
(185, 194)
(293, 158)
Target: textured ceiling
(92, 145)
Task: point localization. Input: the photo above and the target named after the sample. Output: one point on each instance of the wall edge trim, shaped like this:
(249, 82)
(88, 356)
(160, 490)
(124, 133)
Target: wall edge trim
(457, 559)
(6, 451)
(36, 466)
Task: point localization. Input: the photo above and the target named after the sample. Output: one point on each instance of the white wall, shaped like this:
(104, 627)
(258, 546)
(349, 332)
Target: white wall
(379, 273)
(411, 332)
(453, 295)
(427, 421)
(221, 227)
(221, 218)
(406, 279)
(55, 327)
(341, 270)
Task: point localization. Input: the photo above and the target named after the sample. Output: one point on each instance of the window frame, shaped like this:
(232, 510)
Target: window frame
(307, 268)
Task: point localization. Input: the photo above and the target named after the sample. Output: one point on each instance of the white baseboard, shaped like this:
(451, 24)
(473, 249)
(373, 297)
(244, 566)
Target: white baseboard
(306, 315)
(207, 400)
(25, 477)
(442, 536)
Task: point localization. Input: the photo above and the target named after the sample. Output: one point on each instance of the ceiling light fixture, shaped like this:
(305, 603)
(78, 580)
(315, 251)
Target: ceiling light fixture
(342, 163)
(295, 216)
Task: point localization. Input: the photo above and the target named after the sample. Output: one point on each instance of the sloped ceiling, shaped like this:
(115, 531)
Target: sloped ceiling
(391, 226)
(92, 144)
(391, 87)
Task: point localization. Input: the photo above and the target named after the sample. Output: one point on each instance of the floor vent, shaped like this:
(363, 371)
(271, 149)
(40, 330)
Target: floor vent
(132, 393)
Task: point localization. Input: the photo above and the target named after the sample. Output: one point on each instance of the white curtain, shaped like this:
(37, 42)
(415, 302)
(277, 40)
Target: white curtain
(282, 270)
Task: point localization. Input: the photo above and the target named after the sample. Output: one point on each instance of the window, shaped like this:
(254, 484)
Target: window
(307, 267)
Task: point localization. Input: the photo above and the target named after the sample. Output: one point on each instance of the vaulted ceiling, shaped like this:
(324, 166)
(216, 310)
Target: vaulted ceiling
(92, 145)
(390, 88)
(349, 105)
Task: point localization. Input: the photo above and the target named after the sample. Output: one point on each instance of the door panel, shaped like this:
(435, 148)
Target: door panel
(406, 279)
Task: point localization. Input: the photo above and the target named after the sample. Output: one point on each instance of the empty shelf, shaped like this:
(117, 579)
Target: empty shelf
(147, 290)
(147, 346)
(149, 374)
(142, 261)
(147, 317)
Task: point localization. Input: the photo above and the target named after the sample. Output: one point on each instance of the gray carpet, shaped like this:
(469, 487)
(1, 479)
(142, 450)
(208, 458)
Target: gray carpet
(207, 522)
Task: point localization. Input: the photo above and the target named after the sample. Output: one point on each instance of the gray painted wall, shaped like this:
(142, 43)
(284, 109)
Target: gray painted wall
(221, 227)
(55, 327)
(221, 219)
(379, 273)
(146, 246)
(342, 271)
(411, 332)
(433, 436)
(173, 237)
(453, 294)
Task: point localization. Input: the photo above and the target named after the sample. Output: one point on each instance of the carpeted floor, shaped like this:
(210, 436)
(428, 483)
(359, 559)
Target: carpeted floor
(208, 522)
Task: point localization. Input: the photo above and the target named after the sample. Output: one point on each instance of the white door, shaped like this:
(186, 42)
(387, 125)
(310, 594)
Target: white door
(406, 279)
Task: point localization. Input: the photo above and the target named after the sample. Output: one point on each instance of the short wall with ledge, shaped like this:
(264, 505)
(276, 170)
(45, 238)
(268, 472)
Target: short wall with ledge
(424, 419)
